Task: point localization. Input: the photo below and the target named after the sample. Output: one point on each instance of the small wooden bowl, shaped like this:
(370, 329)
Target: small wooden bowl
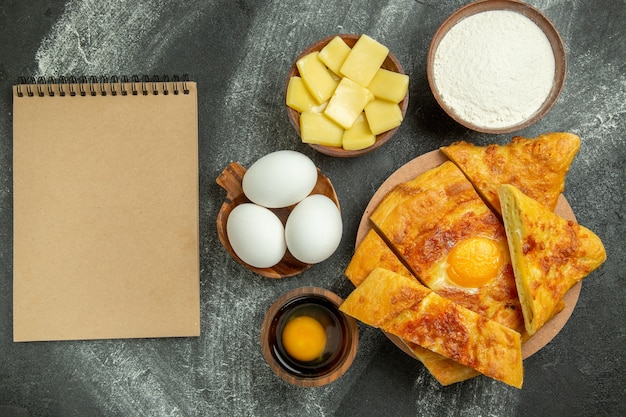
(391, 63)
(341, 330)
(558, 50)
(230, 180)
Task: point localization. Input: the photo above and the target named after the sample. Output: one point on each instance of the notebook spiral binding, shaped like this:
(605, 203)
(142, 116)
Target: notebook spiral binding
(97, 85)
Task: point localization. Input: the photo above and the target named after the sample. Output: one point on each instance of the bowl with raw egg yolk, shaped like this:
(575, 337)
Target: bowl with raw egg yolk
(346, 95)
(306, 340)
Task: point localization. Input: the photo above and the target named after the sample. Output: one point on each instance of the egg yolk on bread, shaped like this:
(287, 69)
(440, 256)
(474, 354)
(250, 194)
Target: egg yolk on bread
(474, 262)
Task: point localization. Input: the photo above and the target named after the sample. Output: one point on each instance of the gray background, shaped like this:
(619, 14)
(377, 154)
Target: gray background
(239, 53)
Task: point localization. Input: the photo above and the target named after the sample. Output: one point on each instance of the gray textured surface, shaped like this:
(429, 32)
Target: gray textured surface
(239, 53)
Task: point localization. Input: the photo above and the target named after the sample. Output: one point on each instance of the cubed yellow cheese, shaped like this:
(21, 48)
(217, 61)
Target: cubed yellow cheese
(299, 98)
(319, 129)
(382, 115)
(334, 53)
(389, 85)
(347, 102)
(318, 79)
(359, 136)
(365, 58)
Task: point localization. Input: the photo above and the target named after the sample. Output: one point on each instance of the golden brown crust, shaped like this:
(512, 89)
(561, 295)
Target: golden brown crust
(426, 217)
(403, 307)
(397, 294)
(549, 253)
(536, 166)
(421, 220)
(444, 370)
(372, 253)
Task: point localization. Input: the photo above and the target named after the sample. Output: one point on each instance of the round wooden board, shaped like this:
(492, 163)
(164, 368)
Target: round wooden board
(433, 159)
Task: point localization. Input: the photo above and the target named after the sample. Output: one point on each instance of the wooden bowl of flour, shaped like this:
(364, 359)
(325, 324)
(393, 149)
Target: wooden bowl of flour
(496, 66)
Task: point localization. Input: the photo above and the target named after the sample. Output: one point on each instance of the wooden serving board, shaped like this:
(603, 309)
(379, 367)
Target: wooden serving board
(433, 159)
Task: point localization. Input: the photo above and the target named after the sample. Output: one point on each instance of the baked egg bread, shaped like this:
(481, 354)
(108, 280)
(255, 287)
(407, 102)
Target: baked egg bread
(452, 242)
(450, 230)
(370, 254)
(403, 307)
(537, 166)
(549, 253)
(374, 253)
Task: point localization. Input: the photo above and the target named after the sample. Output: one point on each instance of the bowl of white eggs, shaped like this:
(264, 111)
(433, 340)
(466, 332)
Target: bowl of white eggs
(280, 216)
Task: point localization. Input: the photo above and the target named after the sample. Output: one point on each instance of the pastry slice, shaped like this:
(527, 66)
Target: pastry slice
(536, 166)
(403, 307)
(550, 254)
(444, 370)
(374, 253)
(450, 239)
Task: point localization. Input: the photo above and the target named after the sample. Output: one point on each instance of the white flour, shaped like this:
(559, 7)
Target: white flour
(494, 69)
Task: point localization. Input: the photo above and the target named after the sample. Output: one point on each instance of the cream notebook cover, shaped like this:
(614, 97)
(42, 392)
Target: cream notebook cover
(105, 194)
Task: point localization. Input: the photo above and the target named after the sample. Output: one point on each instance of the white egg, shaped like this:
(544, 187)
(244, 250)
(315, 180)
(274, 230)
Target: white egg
(313, 229)
(280, 179)
(256, 235)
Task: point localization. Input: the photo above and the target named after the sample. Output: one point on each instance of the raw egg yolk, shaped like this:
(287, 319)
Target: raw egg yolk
(304, 338)
(474, 262)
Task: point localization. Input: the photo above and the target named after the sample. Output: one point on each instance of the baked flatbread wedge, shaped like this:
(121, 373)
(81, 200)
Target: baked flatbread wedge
(370, 254)
(403, 307)
(537, 166)
(450, 239)
(374, 253)
(444, 370)
(550, 254)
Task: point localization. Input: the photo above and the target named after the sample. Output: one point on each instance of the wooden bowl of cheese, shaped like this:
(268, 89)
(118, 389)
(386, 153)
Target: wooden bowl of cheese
(346, 95)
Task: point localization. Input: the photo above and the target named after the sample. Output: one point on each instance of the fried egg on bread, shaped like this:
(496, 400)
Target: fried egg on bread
(448, 237)
(371, 253)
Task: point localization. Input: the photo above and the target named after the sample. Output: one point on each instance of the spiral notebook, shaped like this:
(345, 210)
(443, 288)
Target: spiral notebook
(105, 187)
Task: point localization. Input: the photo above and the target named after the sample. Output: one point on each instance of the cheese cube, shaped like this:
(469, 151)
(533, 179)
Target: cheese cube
(389, 85)
(318, 79)
(382, 115)
(299, 98)
(334, 53)
(319, 129)
(364, 60)
(347, 102)
(359, 136)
